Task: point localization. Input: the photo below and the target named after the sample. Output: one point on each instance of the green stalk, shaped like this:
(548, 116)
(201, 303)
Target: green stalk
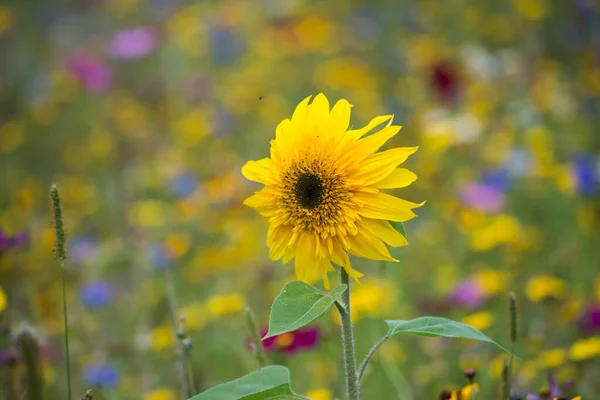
(61, 255)
(253, 327)
(348, 341)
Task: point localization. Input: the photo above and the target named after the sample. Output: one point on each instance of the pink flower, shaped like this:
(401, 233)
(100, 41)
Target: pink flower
(91, 72)
(468, 293)
(132, 44)
(482, 197)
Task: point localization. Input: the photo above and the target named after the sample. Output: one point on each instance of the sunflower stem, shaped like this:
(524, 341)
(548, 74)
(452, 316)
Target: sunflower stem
(348, 341)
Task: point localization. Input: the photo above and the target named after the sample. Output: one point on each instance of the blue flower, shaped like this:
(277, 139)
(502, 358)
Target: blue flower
(498, 179)
(96, 294)
(586, 176)
(158, 257)
(105, 375)
(82, 248)
(184, 184)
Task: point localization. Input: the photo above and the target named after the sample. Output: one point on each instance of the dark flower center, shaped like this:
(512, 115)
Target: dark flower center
(309, 190)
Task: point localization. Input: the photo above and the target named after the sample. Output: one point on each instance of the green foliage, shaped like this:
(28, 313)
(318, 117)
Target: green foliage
(399, 226)
(298, 305)
(437, 327)
(268, 383)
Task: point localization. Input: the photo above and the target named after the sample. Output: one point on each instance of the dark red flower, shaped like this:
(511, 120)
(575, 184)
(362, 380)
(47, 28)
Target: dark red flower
(589, 322)
(302, 339)
(445, 80)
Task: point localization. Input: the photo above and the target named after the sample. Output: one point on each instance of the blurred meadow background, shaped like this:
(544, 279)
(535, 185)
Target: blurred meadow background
(143, 112)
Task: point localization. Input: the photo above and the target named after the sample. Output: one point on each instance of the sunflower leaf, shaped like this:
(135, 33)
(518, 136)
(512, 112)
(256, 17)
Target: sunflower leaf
(298, 305)
(399, 226)
(267, 383)
(438, 327)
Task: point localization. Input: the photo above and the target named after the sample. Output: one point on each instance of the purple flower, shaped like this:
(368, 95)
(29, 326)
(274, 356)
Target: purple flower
(6, 357)
(467, 293)
(83, 248)
(589, 322)
(91, 72)
(105, 375)
(96, 294)
(554, 390)
(302, 339)
(132, 44)
(482, 197)
(11, 242)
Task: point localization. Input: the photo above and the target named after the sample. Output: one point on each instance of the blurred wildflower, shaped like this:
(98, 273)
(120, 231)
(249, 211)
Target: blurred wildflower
(158, 257)
(3, 301)
(585, 175)
(183, 184)
(161, 394)
(15, 241)
(6, 19)
(585, 349)
(589, 322)
(309, 154)
(96, 294)
(469, 293)
(91, 72)
(480, 320)
(542, 287)
(161, 337)
(445, 80)
(482, 197)
(225, 305)
(305, 338)
(83, 248)
(553, 391)
(319, 394)
(553, 358)
(104, 375)
(134, 43)
(177, 244)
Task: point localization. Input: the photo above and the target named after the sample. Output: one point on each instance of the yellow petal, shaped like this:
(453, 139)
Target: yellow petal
(277, 240)
(299, 115)
(307, 265)
(324, 268)
(384, 206)
(262, 171)
(399, 178)
(317, 112)
(384, 230)
(379, 166)
(339, 117)
(369, 145)
(358, 133)
(264, 202)
(369, 247)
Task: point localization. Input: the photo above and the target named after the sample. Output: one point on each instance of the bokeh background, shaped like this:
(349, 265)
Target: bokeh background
(144, 111)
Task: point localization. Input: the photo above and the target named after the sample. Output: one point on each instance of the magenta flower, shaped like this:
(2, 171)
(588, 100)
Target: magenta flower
(589, 322)
(482, 197)
(302, 339)
(132, 44)
(11, 242)
(91, 72)
(468, 293)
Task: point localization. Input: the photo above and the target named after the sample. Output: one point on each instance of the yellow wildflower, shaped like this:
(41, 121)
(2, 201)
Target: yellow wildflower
(541, 287)
(585, 349)
(553, 358)
(161, 337)
(481, 320)
(160, 394)
(2, 300)
(319, 394)
(224, 305)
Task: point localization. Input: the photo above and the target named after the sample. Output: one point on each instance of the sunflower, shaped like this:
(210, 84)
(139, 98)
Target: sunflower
(322, 194)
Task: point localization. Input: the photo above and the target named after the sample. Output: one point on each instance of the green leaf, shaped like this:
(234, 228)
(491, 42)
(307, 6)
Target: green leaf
(438, 327)
(399, 226)
(298, 305)
(269, 383)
